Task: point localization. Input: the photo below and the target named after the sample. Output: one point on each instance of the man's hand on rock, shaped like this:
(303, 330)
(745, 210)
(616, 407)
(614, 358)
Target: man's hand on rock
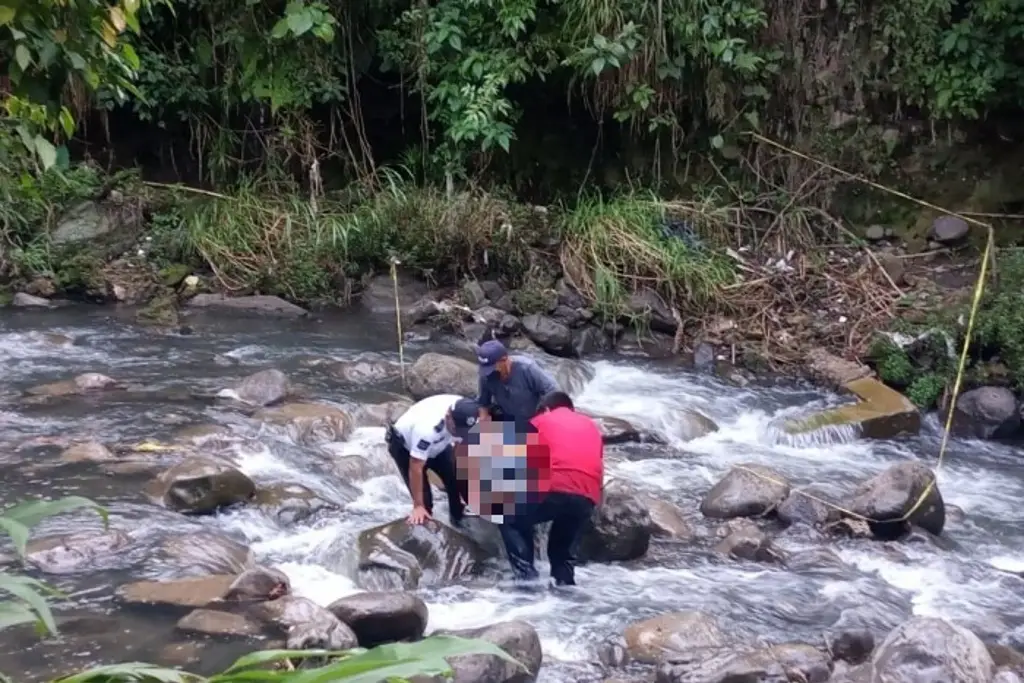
(419, 515)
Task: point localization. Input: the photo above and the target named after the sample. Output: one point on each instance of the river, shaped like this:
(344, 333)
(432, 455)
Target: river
(880, 585)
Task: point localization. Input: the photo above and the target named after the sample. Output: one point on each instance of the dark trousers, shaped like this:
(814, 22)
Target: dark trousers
(569, 514)
(443, 464)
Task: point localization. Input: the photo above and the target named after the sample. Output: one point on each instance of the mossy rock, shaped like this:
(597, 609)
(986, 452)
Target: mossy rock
(161, 312)
(80, 271)
(174, 274)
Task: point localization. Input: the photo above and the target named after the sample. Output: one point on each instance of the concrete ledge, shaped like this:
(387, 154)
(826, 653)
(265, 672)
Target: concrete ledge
(881, 412)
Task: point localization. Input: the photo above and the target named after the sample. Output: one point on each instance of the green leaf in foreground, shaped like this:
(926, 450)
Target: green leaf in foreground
(254, 659)
(31, 513)
(131, 671)
(15, 614)
(32, 593)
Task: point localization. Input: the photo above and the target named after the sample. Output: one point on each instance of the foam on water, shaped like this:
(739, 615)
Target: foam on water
(969, 582)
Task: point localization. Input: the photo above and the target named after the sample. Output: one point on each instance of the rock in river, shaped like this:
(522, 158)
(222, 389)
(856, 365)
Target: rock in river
(741, 493)
(192, 592)
(620, 529)
(517, 638)
(210, 622)
(88, 451)
(294, 503)
(260, 304)
(434, 373)
(310, 424)
(743, 540)
(199, 486)
(986, 413)
(651, 640)
(200, 553)
(76, 551)
(382, 617)
(307, 624)
(400, 556)
(263, 388)
(929, 649)
(781, 663)
(82, 384)
(892, 494)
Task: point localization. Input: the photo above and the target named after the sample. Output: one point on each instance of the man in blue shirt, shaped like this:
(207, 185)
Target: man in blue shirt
(510, 386)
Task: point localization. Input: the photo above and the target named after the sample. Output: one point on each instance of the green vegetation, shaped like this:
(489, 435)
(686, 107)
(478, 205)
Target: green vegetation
(394, 662)
(927, 368)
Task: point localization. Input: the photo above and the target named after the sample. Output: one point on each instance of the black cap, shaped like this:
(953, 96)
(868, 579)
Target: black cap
(465, 414)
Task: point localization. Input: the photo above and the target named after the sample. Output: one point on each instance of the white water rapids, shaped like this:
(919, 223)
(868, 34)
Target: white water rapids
(970, 582)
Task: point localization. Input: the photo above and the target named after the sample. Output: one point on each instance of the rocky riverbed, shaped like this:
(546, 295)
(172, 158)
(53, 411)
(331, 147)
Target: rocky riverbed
(253, 505)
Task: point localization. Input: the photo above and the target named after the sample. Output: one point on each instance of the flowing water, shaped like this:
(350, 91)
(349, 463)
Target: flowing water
(970, 581)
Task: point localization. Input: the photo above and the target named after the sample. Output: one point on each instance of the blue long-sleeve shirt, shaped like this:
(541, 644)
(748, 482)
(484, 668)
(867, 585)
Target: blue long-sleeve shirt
(517, 397)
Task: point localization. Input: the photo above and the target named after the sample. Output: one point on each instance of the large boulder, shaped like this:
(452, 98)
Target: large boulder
(310, 424)
(435, 373)
(986, 413)
(688, 425)
(805, 507)
(929, 649)
(548, 333)
(382, 617)
(781, 663)
(517, 638)
(891, 495)
(306, 624)
(198, 486)
(652, 640)
(667, 520)
(748, 490)
(402, 556)
(77, 551)
(619, 529)
(196, 591)
(262, 388)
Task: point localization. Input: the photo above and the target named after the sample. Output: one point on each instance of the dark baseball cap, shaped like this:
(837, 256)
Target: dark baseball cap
(465, 413)
(488, 354)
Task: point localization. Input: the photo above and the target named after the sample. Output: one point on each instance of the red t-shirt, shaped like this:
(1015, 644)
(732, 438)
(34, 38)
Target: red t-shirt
(573, 448)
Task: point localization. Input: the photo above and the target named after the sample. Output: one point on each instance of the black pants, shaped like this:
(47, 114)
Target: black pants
(569, 514)
(443, 464)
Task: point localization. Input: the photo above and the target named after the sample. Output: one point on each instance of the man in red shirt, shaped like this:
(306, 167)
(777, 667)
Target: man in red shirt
(566, 463)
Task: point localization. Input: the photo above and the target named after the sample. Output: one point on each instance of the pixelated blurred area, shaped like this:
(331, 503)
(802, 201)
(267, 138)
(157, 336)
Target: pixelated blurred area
(506, 468)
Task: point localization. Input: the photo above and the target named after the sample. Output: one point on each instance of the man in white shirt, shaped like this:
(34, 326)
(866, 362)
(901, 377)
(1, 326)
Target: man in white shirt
(424, 438)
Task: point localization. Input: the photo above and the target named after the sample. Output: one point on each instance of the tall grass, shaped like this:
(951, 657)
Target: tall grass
(613, 248)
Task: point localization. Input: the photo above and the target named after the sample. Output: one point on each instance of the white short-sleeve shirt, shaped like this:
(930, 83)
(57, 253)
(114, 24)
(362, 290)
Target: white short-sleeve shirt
(422, 426)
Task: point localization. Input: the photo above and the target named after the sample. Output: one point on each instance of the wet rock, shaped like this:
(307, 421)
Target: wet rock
(853, 646)
(928, 649)
(180, 654)
(191, 592)
(473, 295)
(948, 230)
(292, 503)
(23, 300)
(743, 540)
(364, 372)
(551, 335)
(880, 413)
(815, 560)
(259, 305)
(89, 451)
(667, 520)
(517, 638)
(688, 425)
(421, 311)
(356, 468)
(434, 373)
(613, 652)
(799, 509)
(205, 552)
(986, 413)
(161, 312)
(82, 384)
(1006, 676)
(263, 388)
(741, 493)
(1005, 657)
(772, 664)
(570, 375)
(620, 530)
(615, 430)
(380, 414)
(588, 340)
(307, 624)
(199, 487)
(210, 622)
(259, 583)
(652, 640)
(401, 556)
(704, 357)
(310, 424)
(382, 617)
(76, 551)
(196, 434)
(892, 494)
